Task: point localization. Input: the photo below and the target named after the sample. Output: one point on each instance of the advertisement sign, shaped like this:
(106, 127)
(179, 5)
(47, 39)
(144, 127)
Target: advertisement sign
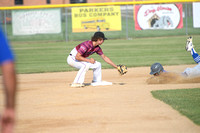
(89, 19)
(29, 22)
(160, 16)
(196, 14)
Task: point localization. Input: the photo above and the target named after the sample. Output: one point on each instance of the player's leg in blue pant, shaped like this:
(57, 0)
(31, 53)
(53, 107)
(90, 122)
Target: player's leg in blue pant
(195, 71)
(195, 55)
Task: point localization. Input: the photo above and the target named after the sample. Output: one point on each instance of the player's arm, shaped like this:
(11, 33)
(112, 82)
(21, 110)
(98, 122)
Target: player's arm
(81, 58)
(108, 60)
(9, 78)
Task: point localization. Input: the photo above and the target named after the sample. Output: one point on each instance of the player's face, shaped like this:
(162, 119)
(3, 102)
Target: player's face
(157, 74)
(100, 41)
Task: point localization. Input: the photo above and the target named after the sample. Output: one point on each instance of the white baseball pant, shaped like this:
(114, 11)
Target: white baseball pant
(83, 68)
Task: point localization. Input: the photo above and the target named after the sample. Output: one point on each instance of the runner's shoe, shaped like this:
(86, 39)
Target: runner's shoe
(189, 44)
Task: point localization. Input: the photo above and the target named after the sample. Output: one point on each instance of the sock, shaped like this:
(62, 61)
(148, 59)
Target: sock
(195, 55)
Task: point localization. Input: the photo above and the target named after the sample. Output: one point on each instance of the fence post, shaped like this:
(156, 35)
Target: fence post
(1, 18)
(127, 22)
(186, 23)
(66, 25)
(5, 23)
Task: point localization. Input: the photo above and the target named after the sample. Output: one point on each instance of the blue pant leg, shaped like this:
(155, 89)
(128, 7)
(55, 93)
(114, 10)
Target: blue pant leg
(195, 56)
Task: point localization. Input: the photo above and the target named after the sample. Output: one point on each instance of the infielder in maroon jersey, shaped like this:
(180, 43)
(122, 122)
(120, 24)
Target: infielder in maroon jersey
(78, 58)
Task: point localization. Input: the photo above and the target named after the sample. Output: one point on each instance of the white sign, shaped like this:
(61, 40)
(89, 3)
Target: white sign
(196, 15)
(159, 16)
(41, 21)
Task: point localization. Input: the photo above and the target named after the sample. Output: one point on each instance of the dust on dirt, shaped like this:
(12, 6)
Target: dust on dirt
(166, 78)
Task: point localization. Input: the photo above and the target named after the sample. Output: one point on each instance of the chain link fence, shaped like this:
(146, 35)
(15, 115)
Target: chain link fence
(127, 31)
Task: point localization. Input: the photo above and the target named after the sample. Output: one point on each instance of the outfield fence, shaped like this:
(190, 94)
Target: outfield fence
(119, 20)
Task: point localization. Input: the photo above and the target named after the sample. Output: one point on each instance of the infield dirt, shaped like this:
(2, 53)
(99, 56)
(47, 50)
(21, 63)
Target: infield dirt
(47, 104)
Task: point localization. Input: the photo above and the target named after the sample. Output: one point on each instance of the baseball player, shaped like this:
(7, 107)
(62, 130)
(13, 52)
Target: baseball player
(7, 119)
(195, 71)
(78, 58)
(157, 68)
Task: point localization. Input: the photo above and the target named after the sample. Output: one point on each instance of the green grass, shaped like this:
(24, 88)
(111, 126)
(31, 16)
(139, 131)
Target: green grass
(37, 57)
(186, 101)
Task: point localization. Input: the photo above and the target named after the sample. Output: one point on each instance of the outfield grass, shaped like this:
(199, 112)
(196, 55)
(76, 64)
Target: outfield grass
(37, 57)
(186, 101)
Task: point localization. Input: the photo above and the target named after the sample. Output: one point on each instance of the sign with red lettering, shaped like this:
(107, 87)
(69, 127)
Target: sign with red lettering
(161, 16)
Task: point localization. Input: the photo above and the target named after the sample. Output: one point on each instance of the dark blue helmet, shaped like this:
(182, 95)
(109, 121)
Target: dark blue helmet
(156, 68)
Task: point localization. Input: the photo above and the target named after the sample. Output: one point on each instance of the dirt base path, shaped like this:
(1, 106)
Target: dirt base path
(46, 104)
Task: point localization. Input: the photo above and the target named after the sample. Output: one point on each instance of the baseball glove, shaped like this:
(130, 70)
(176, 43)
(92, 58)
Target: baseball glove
(122, 69)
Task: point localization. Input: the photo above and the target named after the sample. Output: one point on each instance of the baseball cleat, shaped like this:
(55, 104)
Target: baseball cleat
(101, 83)
(77, 85)
(189, 44)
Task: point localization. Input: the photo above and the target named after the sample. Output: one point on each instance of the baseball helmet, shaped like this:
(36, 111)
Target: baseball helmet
(156, 68)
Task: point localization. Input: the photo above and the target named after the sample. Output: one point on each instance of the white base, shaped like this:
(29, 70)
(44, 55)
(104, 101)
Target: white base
(101, 83)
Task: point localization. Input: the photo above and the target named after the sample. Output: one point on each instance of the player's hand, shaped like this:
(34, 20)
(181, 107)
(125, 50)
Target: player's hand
(7, 121)
(92, 60)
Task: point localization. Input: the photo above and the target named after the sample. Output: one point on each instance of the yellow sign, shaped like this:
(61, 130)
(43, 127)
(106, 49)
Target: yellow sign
(101, 18)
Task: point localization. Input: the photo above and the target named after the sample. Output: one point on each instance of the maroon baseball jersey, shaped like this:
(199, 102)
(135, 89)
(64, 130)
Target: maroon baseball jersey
(86, 49)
